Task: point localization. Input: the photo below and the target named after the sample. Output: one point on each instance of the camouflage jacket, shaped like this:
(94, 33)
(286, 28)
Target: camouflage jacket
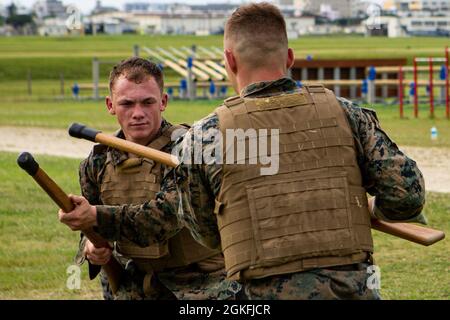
(189, 191)
(91, 174)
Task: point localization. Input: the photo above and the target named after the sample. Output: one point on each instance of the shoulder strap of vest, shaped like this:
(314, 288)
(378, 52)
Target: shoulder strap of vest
(99, 149)
(226, 119)
(165, 138)
(233, 101)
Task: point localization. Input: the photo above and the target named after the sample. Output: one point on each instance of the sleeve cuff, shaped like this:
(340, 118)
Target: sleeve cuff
(420, 218)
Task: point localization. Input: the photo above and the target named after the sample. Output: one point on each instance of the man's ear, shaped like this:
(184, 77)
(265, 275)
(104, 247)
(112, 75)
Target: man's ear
(230, 60)
(109, 105)
(290, 58)
(164, 100)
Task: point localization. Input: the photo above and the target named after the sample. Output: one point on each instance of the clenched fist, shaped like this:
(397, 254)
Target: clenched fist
(97, 256)
(84, 216)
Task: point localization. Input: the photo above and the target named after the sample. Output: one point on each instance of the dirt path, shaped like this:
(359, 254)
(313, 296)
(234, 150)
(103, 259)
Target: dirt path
(435, 166)
(43, 141)
(433, 162)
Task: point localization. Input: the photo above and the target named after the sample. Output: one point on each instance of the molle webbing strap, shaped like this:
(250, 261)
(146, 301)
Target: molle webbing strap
(151, 252)
(235, 263)
(225, 117)
(308, 125)
(316, 144)
(255, 172)
(135, 180)
(163, 140)
(232, 101)
(277, 102)
(303, 146)
(237, 236)
(301, 265)
(315, 88)
(297, 127)
(298, 184)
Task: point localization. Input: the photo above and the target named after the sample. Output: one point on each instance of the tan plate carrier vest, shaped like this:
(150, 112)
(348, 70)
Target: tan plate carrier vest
(313, 213)
(135, 181)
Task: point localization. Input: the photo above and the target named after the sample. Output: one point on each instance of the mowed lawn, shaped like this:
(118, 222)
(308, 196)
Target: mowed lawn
(60, 114)
(50, 57)
(36, 250)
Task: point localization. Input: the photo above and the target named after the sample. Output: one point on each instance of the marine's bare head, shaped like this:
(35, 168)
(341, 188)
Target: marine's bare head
(256, 36)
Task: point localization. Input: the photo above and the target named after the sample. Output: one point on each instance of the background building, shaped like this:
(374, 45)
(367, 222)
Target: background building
(49, 8)
(415, 6)
(135, 7)
(332, 8)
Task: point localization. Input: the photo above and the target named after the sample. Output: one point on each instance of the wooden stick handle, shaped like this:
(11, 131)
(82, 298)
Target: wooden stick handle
(411, 232)
(26, 161)
(81, 131)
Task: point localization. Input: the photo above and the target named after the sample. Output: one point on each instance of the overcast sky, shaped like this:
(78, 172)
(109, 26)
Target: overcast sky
(88, 5)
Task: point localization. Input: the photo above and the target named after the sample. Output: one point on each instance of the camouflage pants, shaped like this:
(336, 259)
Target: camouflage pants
(132, 287)
(191, 284)
(318, 284)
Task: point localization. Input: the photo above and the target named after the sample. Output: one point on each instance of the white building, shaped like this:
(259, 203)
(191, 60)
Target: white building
(296, 6)
(410, 7)
(49, 8)
(192, 21)
(432, 26)
(205, 24)
(411, 26)
(343, 8)
(135, 7)
(53, 27)
(113, 23)
(181, 23)
(119, 26)
(298, 26)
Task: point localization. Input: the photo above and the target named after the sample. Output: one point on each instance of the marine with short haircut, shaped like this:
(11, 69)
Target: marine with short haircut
(111, 177)
(304, 232)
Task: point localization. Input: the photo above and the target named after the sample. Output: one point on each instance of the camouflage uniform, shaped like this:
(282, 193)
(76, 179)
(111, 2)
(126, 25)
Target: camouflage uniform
(186, 282)
(190, 192)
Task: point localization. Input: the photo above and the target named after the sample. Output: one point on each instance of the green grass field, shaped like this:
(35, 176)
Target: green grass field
(47, 58)
(36, 250)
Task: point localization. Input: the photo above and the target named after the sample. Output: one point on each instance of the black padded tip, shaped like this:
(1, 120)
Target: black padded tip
(78, 130)
(27, 163)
